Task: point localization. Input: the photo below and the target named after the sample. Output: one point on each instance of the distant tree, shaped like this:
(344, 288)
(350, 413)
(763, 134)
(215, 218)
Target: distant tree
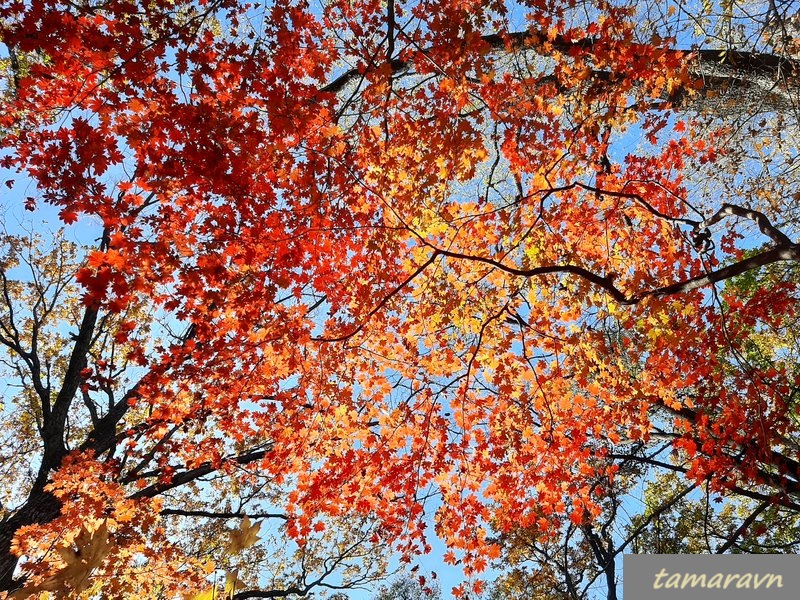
(704, 522)
(407, 587)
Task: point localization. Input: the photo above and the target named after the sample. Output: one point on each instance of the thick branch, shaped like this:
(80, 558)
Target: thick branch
(390, 26)
(222, 515)
(778, 499)
(790, 253)
(714, 68)
(185, 477)
(605, 559)
(606, 283)
(53, 430)
(759, 218)
(104, 435)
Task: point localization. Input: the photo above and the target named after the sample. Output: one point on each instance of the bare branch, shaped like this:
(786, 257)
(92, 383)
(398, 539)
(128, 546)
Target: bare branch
(222, 515)
(757, 217)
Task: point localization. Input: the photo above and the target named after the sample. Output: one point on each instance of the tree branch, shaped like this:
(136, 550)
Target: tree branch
(222, 515)
(733, 62)
(779, 499)
(290, 591)
(759, 218)
(790, 253)
(185, 477)
(382, 303)
(743, 527)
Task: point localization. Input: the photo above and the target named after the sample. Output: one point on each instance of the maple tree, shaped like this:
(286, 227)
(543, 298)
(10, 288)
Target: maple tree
(358, 258)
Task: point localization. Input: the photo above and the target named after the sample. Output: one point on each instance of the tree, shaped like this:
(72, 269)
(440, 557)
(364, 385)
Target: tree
(584, 561)
(102, 538)
(409, 588)
(674, 522)
(353, 256)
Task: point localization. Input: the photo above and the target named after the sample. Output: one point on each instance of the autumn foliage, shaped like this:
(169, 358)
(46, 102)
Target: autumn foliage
(356, 261)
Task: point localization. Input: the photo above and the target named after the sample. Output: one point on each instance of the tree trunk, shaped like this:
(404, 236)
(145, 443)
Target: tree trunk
(41, 507)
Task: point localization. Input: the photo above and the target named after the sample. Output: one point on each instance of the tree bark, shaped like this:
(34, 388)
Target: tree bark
(41, 507)
(754, 82)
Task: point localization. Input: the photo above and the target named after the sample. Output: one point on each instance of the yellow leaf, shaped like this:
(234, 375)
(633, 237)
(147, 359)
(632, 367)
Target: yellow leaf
(87, 552)
(209, 594)
(232, 583)
(244, 537)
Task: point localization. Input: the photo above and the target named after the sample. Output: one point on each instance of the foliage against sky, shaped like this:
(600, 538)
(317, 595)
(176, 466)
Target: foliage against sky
(356, 258)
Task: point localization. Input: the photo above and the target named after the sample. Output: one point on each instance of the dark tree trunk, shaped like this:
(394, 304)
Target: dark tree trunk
(41, 507)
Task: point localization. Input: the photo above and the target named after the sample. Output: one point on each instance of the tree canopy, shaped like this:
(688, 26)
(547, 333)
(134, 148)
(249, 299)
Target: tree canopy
(359, 265)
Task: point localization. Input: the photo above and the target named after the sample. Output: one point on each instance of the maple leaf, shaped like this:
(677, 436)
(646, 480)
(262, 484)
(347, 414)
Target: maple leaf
(232, 583)
(209, 594)
(81, 557)
(68, 216)
(244, 537)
